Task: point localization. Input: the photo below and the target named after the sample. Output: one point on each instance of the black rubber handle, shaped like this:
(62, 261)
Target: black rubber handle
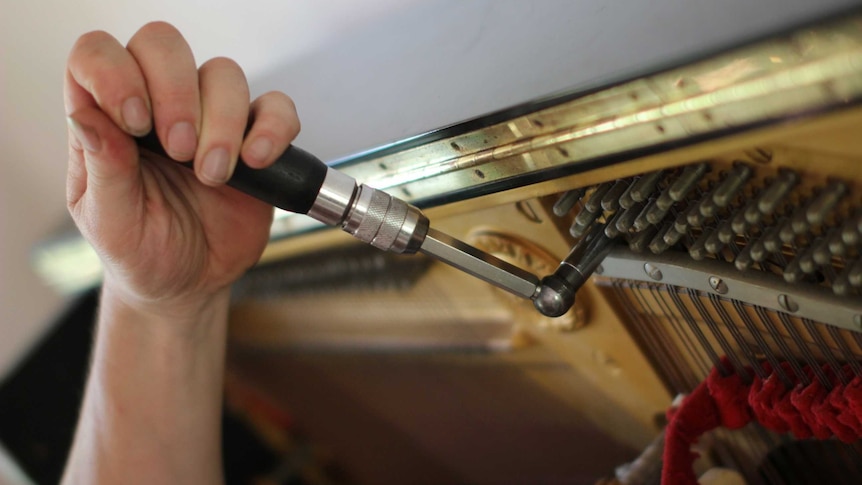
(291, 183)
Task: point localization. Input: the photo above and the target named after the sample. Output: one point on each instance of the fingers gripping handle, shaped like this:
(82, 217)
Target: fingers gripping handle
(291, 183)
(299, 182)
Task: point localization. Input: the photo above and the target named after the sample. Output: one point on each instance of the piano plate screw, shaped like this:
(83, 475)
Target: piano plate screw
(653, 272)
(787, 303)
(718, 285)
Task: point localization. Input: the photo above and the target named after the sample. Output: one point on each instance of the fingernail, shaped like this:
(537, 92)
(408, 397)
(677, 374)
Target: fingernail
(215, 165)
(260, 149)
(136, 116)
(182, 140)
(86, 135)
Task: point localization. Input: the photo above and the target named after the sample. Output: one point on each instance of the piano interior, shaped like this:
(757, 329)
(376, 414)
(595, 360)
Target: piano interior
(732, 190)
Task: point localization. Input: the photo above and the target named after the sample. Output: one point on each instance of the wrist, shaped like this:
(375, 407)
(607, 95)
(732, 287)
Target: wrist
(185, 315)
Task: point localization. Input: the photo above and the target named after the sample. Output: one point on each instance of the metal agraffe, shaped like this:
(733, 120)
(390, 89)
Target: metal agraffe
(809, 71)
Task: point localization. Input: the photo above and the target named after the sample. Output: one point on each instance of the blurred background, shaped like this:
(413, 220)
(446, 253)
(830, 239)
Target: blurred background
(362, 74)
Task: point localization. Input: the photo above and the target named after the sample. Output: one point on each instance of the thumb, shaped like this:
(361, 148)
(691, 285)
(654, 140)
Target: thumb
(110, 157)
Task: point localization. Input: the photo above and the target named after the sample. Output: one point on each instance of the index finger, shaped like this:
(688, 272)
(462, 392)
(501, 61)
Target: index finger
(102, 73)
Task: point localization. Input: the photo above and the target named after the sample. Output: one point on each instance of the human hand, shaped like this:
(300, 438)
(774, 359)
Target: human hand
(169, 239)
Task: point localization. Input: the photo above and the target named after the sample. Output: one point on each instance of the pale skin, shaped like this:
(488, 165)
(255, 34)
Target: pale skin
(171, 241)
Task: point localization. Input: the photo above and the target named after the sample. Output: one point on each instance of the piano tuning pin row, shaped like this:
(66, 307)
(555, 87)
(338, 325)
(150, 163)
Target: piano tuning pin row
(835, 242)
(659, 210)
(635, 207)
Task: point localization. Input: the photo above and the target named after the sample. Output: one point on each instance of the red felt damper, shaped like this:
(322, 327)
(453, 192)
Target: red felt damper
(727, 401)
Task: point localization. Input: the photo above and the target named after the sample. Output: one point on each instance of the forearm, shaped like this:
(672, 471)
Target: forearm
(152, 407)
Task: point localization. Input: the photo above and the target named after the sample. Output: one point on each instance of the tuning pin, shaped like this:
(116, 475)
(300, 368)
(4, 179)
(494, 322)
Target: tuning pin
(726, 233)
(854, 276)
(713, 244)
(698, 250)
(793, 273)
(841, 284)
(568, 200)
(776, 192)
(582, 222)
(821, 253)
(825, 202)
(799, 223)
(772, 241)
(806, 261)
(730, 186)
(708, 207)
(836, 244)
(850, 233)
(657, 211)
(744, 260)
(786, 232)
(693, 216)
(644, 187)
(750, 215)
(758, 251)
(629, 216)
(740, 220)
(626, 199)
(640, 242)
(657, 245)
(672, 236)
(611, 200)
(643, 221)
(594, 203)
(688, 180)
(611, 229)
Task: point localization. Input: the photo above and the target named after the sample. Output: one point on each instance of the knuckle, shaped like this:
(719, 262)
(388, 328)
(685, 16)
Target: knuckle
(158, 29)
(276, 112)
(282, 128)
(93, 38)
(278, 98)
(90, 45)
(221, 64)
